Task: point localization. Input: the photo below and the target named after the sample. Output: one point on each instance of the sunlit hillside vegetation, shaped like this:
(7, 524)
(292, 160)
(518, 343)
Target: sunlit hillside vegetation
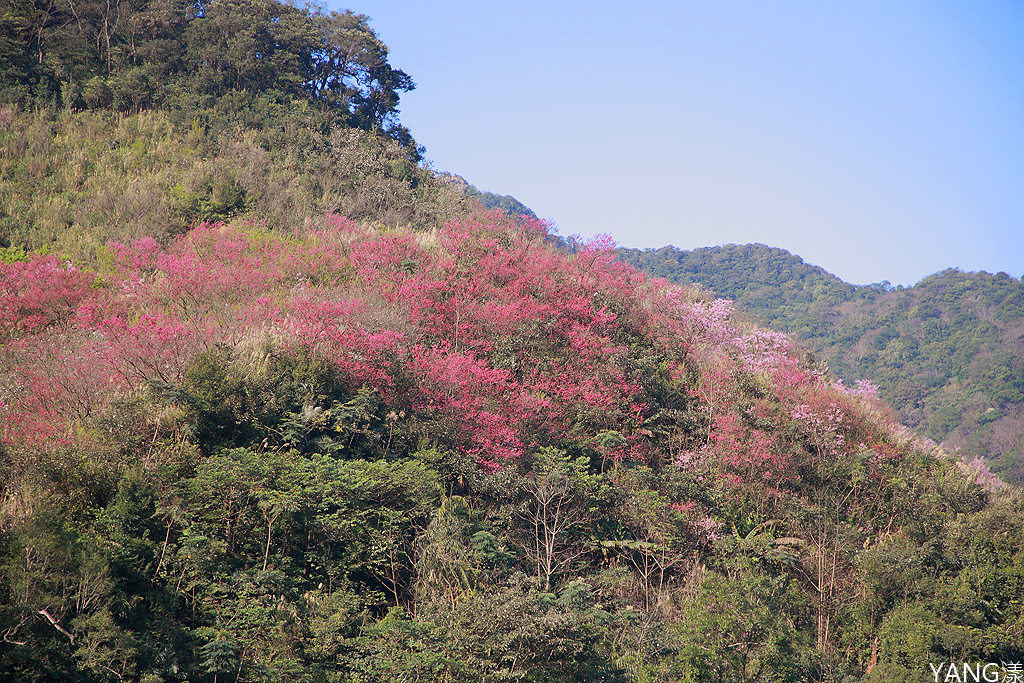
(947, 353)
(278, 402)
(186, 57)
(140, 119)
(71, 181)
(352, 453)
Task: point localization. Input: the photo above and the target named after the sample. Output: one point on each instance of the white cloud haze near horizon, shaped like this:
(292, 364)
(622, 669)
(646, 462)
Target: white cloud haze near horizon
(881, 141)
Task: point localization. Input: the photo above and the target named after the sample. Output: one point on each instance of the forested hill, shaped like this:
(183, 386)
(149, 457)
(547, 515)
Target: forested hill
(776, 285)
(131, 119)
(504, 203)
(948, 352)
(278, 402)
(343, 452)
(189, 57)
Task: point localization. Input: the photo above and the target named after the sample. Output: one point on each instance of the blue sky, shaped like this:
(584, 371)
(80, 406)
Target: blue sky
(879, 140)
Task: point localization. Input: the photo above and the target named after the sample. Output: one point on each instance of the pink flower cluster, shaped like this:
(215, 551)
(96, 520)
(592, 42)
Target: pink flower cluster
(482, 323)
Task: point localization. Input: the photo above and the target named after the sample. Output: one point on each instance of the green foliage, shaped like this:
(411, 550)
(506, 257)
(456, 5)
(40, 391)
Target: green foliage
(72, 181)
(179, 55)
(504, 203)
(97, 94)
(742, 628)
(14, 254)
(495, 202)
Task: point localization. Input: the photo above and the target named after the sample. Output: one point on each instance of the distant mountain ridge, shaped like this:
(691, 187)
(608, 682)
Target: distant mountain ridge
(947, 353)
(500, 202)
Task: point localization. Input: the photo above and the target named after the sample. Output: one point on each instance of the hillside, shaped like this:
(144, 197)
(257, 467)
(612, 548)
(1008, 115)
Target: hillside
(349, 453)
(143, 124)
(505, 203)
(279, 402)
(947, 353)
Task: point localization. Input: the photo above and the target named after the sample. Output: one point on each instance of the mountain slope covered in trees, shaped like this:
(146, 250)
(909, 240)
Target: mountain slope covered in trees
(71, 181)
(131, 119)
(504, 203)
(279, 402)
(189, 57)
(358, 454)
(947, 353)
